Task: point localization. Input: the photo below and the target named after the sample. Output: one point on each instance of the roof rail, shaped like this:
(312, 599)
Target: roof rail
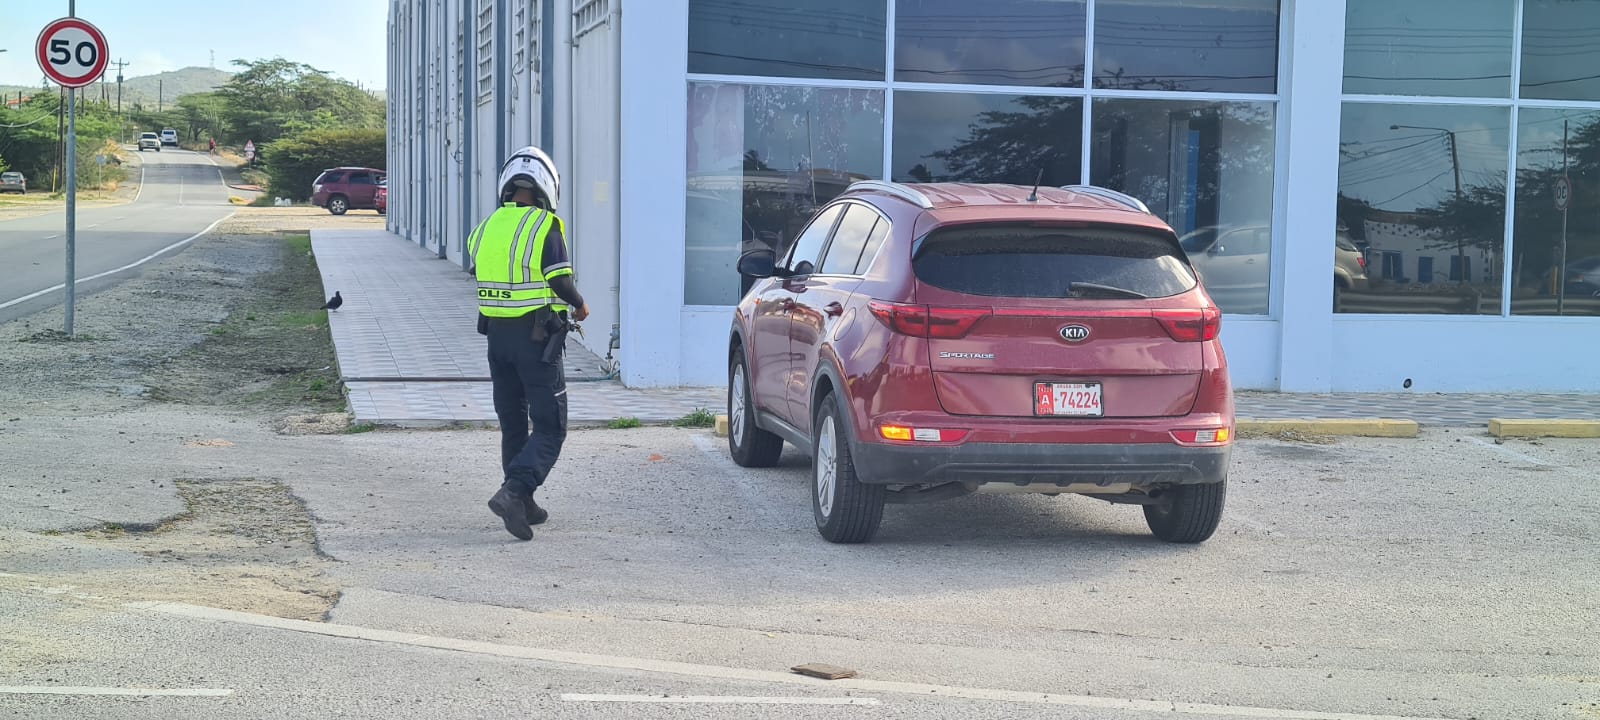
(1120, 198)
(906, 193)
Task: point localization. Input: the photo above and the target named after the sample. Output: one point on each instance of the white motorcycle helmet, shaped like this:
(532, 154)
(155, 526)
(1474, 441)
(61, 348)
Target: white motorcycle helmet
(531, 168)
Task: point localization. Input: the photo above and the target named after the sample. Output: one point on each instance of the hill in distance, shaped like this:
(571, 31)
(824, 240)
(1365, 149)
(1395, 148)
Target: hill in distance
(144, 88)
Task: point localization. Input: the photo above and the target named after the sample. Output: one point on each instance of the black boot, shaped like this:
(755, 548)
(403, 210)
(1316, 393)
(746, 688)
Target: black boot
(512, 507)
(536, 515)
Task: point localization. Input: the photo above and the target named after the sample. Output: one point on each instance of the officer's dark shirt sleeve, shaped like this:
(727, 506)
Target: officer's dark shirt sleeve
(557, 267)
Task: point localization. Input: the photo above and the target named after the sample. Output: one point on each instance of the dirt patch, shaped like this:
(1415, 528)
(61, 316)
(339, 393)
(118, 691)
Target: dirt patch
(337, 423)
(242, 544)
(274, 350)
(1288, 436)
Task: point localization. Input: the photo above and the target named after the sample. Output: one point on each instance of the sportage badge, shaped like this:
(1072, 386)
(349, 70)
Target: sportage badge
(1075, 333)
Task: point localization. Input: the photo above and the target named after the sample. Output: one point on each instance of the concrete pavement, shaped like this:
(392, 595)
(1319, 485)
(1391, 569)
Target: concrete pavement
(1442, 577)
(181, 194)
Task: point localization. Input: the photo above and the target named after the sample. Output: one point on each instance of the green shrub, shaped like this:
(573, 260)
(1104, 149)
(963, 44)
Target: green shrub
(294, 162)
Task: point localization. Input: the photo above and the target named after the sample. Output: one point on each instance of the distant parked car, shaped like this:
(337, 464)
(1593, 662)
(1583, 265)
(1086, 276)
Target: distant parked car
(149, 141)
(169, 137)
(347, 188)
(1583, 278)
(382, 201)
(13, 182)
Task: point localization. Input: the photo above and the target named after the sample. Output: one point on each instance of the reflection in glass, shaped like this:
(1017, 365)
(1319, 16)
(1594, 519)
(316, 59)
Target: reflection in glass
(761, 160)
(999, 42)
(1561, 50)
(1556, 246)
(1206, 168)
(964, 137)
(1197, 45)
(1422, 194)
(1455, 48)
(834, 39)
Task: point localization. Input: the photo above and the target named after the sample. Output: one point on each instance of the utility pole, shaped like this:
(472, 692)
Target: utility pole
(120, 65)
(161, 93)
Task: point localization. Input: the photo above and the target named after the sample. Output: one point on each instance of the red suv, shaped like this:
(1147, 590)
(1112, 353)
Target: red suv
(928, 341)
(347, 188)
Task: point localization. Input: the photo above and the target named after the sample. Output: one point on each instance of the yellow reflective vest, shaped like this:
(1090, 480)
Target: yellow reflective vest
(508, 250)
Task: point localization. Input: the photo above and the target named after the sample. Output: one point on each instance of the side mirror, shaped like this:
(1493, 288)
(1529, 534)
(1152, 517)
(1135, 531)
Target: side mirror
(758, 263)
(1216, 249)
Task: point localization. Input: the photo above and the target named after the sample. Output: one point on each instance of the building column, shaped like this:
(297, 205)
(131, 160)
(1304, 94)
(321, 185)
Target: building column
(653, 134)
(1312, 77)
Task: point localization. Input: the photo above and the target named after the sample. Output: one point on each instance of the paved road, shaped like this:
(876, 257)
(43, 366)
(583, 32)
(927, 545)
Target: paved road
(1445, 577)
(181, 195)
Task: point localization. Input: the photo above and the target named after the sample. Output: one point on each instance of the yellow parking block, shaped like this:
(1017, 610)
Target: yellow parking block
(1544, 428)
(1348, 427)
(721, 427)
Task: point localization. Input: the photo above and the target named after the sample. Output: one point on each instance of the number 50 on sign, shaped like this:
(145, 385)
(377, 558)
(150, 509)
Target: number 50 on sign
(72, 52)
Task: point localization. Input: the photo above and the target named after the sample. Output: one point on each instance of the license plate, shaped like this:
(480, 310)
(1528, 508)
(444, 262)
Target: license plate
(1070, 399)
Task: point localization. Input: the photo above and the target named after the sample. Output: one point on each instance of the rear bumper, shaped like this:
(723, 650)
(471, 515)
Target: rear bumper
(1140, 464)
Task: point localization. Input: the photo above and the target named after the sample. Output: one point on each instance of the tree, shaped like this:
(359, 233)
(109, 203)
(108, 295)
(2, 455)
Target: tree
(294, 162)
(273, 98)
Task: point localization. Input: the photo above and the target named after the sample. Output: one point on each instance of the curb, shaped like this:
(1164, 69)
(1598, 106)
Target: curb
(1508, 428)
(1344, 427)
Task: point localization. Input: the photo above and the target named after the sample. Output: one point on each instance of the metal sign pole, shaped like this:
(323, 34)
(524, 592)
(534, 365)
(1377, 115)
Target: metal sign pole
(72, 194)
(72, 205)
(1561, 262)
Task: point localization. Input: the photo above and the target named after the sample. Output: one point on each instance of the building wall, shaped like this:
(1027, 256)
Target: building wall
(1360, 121)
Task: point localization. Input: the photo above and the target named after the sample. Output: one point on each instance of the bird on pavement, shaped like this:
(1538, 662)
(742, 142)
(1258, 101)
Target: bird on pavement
(334, 303)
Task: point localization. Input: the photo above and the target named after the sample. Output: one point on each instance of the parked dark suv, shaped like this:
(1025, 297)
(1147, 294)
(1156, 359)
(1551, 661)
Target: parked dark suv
(929, 341)
(347, 188)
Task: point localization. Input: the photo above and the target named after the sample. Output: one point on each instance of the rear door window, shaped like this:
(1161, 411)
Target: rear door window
(848, 240)
(1043, 262)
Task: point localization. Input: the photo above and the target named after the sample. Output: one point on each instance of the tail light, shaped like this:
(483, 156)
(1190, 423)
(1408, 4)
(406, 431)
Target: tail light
(1217, 436)
(1191, 325)
(1362, 261)
(927, 322)
(910, 434)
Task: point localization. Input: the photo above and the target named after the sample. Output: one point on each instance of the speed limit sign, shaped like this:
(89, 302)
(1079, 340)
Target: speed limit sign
(72, 52)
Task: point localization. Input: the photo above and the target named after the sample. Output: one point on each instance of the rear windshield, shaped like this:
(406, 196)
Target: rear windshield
(148, 135)
(1044, 262)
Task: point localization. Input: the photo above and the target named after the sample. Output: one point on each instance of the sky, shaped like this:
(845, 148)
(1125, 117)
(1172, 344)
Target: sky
(347, 38)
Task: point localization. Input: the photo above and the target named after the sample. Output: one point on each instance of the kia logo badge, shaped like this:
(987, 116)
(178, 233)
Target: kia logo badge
(1075, 333)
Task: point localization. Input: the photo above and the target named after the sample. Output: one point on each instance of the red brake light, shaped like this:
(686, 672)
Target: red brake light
(1191, 325)
(927, 322)
(1362, 260)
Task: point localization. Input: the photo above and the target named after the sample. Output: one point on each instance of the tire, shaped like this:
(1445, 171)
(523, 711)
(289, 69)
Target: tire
(750, 445)
(1190, 514)
(338, 205)
(846, 510)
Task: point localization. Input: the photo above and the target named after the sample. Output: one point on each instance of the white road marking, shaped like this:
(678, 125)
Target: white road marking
(52, 237)
(716, 700)
(140, 191)
(1503, 450)
(129, 266)
(716, 672)
(136, 692)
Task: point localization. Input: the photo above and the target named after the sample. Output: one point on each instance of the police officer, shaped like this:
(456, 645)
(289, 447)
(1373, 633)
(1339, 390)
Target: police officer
(525, 291)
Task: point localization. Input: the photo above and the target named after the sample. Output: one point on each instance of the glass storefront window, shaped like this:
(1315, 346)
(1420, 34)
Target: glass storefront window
(1207, 169)
(831, 39)
(761, 160)
(1561, 50)
(1453, 48)
(969, 137)
(1194, 45)
(1000, 42)
(1556, 243)
(1422, 195)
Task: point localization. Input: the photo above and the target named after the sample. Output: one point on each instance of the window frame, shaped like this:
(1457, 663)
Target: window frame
(788, 255)
(890, 86)
(1514, 104)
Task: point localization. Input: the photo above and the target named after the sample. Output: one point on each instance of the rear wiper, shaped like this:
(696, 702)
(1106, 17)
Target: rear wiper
(1073, 290)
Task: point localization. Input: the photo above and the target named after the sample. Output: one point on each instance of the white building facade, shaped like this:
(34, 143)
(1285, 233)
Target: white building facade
(1441, 157)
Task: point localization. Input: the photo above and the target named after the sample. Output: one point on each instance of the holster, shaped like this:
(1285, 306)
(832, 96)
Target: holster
(553, 327)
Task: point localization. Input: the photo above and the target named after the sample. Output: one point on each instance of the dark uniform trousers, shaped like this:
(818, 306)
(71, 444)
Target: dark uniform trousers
(526, 388)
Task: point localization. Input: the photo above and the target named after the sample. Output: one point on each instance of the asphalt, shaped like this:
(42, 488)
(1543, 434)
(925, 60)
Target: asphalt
(181, 193)
(1442, 577)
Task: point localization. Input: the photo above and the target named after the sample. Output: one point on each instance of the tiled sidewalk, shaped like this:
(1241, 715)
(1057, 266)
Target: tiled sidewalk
(410, 354)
